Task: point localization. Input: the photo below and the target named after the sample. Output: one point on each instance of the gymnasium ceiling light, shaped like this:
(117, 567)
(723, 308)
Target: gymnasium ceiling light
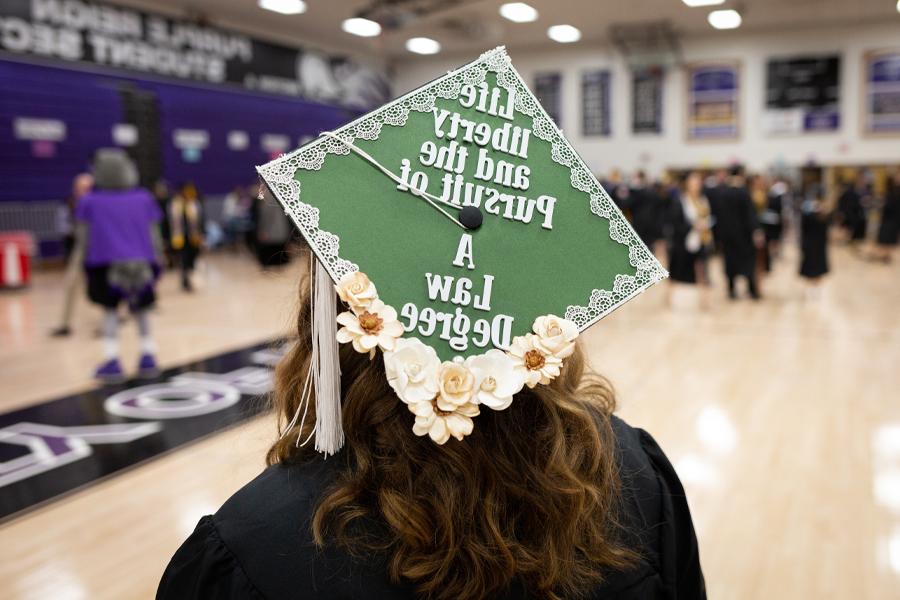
(695, 3)
(423, 45)
(361, 27)
(564, 34)
(724, 19)
(519, 12)
(284, 7)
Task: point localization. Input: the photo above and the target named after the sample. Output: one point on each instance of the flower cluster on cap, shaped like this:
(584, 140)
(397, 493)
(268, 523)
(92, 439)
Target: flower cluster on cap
(444, 396)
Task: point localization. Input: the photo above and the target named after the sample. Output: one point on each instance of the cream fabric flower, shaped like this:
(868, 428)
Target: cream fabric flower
(556, 335)
(412, 370)
(357, 291)
(441, 425)
(533, 361)
(457, 385)
(377, 326)
(496, 378)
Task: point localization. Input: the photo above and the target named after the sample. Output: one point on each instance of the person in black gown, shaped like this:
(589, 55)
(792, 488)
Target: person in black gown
(688, 237)
(618, 192)
(813, 242)
(851, 211)
(736, 230)
(498, 489)
(889, 229)
(772, 218)
(647, 210)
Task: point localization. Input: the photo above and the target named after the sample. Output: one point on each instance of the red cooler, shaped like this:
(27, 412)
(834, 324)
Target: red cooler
(15, 258)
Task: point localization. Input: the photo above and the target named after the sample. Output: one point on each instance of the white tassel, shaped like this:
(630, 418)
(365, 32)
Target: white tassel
(327, 367)
(324, 377)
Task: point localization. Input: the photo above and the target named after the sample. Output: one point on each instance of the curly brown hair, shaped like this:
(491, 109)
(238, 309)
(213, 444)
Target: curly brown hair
(529, 498)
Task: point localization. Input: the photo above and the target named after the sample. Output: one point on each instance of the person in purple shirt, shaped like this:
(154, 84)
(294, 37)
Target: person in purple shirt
(117, 227)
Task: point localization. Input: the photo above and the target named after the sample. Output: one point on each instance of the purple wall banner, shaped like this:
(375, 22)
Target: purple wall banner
(882, 92)
(37, 105)
(713, 101)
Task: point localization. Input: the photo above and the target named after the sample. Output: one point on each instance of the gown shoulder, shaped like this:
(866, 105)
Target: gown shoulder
(259, 545)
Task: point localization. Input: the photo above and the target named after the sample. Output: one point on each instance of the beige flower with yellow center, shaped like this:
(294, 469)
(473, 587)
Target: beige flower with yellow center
(556, 335)
(440, 425)
(357, 291)
(532, 361)
(375, 327)
(456, 385)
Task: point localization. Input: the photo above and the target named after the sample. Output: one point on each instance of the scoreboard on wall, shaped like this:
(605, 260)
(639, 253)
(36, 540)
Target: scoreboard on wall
(802, 94)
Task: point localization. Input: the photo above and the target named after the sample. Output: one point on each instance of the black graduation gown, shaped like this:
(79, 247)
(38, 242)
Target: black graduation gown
(772, 224)
(889, 230)
(853, 214)
(813, 243)
(647, 213)
(734, 223)
(682, 262)
(258, 545)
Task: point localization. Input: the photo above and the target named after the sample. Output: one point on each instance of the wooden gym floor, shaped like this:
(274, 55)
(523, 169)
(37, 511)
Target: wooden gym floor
(782, 417)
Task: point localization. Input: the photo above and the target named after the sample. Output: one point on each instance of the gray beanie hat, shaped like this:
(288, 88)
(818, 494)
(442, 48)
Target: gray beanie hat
(114, 170)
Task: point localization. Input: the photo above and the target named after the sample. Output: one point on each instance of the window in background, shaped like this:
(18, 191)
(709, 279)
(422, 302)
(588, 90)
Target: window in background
(548, 89)
(646, 100)
(595, 118)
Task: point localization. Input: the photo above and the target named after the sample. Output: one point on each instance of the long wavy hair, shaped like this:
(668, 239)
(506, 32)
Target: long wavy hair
(528, 499)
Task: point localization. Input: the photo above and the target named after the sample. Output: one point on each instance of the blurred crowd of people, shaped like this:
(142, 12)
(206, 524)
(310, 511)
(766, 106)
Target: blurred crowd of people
(120, 237)
(746, 218)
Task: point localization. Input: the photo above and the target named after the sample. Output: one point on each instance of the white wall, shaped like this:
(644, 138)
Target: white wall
(670, 149)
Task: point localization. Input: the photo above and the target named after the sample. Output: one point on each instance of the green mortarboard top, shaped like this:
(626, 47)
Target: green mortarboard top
(459, 216)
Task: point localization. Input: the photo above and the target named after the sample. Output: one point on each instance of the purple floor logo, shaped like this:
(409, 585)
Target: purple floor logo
(188, 394)
(51, 446)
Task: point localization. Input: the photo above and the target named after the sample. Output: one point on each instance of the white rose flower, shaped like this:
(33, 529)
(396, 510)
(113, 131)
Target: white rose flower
(412, 370)
(532, 361)
(457, 385)
(496, 378)
(357, 291)
(556, 335)
(439, 424)
(377, 326)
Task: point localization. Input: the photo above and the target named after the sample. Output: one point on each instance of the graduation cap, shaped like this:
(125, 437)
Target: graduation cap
(468, 240)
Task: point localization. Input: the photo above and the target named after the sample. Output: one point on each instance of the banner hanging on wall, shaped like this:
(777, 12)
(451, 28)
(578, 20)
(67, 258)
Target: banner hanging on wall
(121, 38)
(803, 94)
(713, 93)
(882, 92)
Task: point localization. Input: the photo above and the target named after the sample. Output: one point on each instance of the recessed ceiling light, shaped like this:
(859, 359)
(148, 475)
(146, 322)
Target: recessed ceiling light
(285, 7)
(724, 19)
(564, 34)
(361, 27)
(695, 3)
(423, 45)
(519, 12)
